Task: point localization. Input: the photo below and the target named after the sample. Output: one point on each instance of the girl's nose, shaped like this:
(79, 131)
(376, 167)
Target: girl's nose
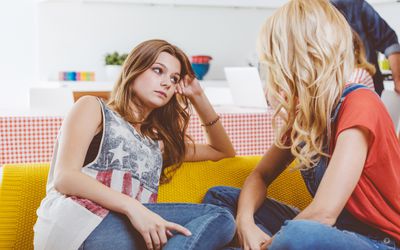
(166, 82)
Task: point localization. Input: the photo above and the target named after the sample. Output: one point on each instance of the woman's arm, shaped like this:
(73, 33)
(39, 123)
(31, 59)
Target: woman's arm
(253, 195)
(394, 60)
(341, 177)
(218, 143)
(78, 130)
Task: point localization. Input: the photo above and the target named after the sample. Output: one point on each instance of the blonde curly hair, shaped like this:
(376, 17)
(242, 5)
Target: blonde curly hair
(307, 49)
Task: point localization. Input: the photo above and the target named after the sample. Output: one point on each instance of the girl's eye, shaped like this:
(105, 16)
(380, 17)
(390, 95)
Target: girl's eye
(175, 79)
(157, 70)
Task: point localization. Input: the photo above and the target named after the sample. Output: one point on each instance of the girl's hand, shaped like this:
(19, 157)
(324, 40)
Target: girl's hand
(266, 244)
(189, 87)
(154, 229)
(251, 237)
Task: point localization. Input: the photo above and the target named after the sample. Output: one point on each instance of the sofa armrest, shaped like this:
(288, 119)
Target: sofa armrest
(22, 188)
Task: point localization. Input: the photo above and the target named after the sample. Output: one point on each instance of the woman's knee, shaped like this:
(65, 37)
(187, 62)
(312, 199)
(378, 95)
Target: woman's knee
(227, 217)
(218, 212)
(221, 195)
(300, 234)
(223, 222)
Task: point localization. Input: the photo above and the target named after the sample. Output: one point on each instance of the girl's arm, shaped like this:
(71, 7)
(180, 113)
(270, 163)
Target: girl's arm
(341, 177)
(78, 130)
(253, 194)
(218, 143)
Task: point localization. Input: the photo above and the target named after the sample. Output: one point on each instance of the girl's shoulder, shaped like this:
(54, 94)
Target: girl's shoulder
(363, 107)
(364, 97)
(89, 105)
(87, 110)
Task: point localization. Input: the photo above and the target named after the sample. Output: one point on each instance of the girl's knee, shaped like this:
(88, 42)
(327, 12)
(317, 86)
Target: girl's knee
(299, 234)
(218, 194)
(225, 222)
(214, 192)
(219, 212)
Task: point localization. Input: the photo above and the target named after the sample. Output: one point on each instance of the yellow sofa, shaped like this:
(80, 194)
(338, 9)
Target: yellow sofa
(23, 187)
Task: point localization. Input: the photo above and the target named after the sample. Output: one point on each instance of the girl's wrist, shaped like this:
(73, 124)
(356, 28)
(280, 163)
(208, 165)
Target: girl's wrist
(198, 97)
(127, 205)
(244, 219)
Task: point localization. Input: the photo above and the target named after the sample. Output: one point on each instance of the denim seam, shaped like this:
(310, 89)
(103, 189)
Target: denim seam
(192, 243)
(376, 243)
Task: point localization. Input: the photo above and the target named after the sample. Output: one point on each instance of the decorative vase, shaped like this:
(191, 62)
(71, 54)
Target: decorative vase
(113, 72)
(200, 65)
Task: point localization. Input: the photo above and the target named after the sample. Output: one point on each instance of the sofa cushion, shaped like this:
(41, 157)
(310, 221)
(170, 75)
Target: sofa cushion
(24, 185)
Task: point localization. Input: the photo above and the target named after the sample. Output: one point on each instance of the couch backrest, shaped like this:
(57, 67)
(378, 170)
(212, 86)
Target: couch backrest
(31, 139)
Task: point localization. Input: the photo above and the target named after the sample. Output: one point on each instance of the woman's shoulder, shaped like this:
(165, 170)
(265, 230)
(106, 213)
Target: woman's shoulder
(365, 106)
(364, 97)
(86, 110)
(88, 105)
(88, 100)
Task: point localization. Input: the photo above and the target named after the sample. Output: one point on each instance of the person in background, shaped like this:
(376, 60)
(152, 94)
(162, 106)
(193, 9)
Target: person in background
(364, 70)
(376, 35)
(105, 172)
(347, 152)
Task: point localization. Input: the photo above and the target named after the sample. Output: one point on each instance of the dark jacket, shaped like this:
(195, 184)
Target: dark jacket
(376, 34)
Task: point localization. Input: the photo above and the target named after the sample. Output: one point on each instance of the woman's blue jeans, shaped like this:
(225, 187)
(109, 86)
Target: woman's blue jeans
(275, 218)
(212, 227)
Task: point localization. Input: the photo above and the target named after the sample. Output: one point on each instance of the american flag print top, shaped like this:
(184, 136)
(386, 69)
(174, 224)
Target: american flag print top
(126, 161)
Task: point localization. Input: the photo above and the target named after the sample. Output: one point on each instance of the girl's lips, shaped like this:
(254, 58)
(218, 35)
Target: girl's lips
(161, 93)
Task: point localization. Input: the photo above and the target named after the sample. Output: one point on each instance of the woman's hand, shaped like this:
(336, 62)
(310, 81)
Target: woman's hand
(189, 87)
(154, 229)
(266, 244)
(250, 236)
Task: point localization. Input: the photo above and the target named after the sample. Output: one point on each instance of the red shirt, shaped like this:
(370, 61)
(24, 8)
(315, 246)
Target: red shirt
(376, 198)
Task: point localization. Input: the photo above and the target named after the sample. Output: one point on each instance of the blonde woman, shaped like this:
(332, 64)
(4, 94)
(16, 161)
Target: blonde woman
(341, 135)
(104, 176)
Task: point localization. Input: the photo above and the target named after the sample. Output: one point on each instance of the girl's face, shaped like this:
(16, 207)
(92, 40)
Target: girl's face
(156, 86)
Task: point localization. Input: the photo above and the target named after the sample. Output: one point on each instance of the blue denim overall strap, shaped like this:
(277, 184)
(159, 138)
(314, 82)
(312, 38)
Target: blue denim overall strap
(313, 176)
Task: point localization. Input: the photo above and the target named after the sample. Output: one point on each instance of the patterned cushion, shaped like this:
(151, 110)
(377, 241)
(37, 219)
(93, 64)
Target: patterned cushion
(23, 187)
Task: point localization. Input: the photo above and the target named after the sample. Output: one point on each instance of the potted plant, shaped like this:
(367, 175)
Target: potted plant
(114, 63)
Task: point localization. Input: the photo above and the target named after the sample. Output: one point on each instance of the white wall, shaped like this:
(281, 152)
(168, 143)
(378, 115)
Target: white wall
(390, 12)
(41, 39)
(18, 52)
(75, 36)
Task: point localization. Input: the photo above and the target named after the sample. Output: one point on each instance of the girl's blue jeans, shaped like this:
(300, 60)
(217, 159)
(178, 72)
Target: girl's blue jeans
(275, 218)
(212, 227)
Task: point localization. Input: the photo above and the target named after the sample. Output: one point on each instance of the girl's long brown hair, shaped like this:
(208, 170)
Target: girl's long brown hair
(359, 55)
(167, 124)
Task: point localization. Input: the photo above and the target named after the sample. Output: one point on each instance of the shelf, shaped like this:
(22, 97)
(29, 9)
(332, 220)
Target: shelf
(77, 85)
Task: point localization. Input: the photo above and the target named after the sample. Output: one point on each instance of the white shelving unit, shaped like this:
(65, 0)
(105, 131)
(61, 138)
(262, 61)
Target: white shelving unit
(57, 97)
